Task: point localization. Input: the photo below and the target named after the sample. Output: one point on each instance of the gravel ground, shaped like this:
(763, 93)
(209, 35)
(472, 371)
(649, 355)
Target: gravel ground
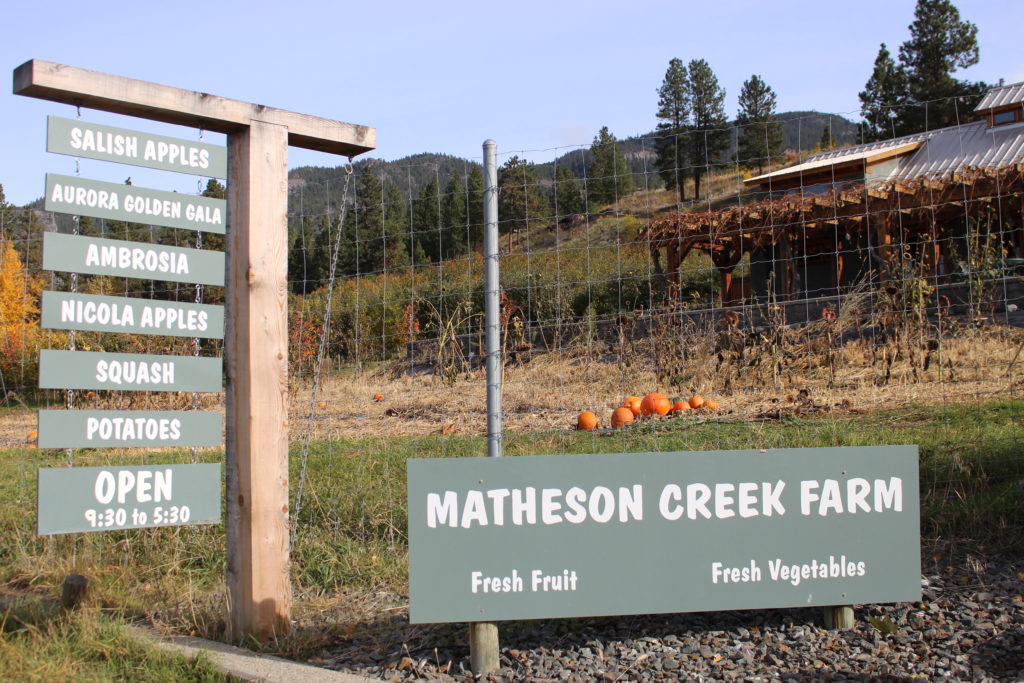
(969, 626)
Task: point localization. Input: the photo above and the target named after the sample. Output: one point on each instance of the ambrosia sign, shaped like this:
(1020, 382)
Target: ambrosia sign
(98, 256)
(570, 536)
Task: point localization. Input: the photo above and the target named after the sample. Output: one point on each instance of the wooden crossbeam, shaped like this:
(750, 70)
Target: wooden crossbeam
(93, 90)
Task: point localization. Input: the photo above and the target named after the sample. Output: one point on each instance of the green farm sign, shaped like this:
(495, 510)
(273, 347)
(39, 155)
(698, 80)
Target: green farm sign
(128, 428)
(107, 143)
(98, 313)
(128, 371)
(98, 256)
(112, 201)
(534, 537)
(74, 499)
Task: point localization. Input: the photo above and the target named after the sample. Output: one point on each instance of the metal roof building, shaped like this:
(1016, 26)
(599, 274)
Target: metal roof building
(993, 142)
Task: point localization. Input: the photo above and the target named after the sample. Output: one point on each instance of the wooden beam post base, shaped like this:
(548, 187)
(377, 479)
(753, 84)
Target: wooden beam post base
(483, 648)
(73, 591)
(839, 617)
(256, 358)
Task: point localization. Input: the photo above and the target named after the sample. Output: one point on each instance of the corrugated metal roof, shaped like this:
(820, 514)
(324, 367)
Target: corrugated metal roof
(1002, 96)
(868, 149)
(842, 156)
(945, 150)
(957, 147)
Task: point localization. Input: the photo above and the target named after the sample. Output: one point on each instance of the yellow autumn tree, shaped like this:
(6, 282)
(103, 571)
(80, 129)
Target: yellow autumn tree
(20, 336)
(19, 292)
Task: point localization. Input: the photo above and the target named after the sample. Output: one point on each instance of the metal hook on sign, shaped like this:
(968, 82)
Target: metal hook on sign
(349, 167)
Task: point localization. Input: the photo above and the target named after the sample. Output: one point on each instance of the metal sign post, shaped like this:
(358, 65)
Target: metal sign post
(256, 349)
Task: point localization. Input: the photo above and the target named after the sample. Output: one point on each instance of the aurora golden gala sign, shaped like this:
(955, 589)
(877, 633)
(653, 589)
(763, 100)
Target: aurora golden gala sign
(493, 539)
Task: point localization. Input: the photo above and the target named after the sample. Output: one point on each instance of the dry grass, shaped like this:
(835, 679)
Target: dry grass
(548, 391)
(803, 373)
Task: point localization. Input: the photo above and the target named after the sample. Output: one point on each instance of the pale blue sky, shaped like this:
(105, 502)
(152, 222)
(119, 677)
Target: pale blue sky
(444, 76)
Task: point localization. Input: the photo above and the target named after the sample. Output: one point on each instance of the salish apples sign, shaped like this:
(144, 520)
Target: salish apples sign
(108, 143)
(532, 537)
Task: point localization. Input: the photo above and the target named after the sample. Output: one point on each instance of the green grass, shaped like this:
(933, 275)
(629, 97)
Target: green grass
(352, 520)
(39, 642)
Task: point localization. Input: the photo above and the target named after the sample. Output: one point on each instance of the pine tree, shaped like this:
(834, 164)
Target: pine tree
(883, 98)
(827, 143)
(215, 189)
(520, 198)
(426, 220)
(475, 205)
(609, 176)
(568, 196)
(674, 115)
(319, 253)
(453, 218)
(760, 132)
(940, 43)
(368, 219)
(396, 229)
(921, 87)
(300, 275)
(709, 137)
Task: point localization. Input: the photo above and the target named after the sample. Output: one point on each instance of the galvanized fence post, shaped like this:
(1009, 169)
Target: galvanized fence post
(492, 300)
(483, 637)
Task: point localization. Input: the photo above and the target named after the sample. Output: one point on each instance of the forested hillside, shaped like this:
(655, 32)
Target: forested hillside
(312, 188)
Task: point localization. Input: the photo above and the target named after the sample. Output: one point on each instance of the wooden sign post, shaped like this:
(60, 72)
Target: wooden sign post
(256, 340)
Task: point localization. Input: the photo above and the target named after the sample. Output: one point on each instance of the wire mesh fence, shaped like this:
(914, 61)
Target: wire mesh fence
(863, 294)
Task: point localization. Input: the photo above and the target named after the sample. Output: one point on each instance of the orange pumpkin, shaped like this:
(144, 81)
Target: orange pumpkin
(679, 407)
(621, 417)
(711, 404)
(33, 435)
(633, 403)
(696, 401)
(378, 397)
(655, 404)
(322, 404)
(586, 421)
